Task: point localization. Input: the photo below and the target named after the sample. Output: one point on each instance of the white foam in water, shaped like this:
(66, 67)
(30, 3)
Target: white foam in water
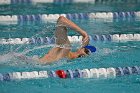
(35, 48)
(13, 58)
(6, 57)
(107, 51)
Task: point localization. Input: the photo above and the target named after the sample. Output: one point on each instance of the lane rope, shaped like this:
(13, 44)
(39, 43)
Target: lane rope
(65, 1)
(96, 73)
(73, 39)
(112, 16)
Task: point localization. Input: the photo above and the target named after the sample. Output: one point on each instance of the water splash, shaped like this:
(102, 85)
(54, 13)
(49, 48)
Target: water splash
(6, 57)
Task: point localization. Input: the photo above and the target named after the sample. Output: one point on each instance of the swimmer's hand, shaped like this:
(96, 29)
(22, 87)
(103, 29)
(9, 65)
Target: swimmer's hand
(85, 39)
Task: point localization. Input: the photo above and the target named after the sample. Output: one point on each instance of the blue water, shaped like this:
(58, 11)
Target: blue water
(109, 54)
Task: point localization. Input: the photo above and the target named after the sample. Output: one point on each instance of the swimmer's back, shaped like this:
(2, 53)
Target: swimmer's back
(54, 55)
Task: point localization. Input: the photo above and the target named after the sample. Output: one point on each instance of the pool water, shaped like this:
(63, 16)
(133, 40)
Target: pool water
(109, 54)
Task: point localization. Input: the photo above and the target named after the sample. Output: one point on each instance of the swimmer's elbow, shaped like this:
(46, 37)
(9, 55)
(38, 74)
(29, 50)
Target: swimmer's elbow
(61, 19)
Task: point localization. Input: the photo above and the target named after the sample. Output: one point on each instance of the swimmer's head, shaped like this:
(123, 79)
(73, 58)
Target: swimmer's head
(90, 48)
(86, 50)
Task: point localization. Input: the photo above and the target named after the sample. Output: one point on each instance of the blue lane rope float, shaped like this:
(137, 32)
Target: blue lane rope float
(25, 18)
(64, 1)
(15, 19)
(96, 73)
(73, 39)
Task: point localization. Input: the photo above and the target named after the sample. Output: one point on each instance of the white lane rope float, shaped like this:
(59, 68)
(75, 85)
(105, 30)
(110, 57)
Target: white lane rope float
(96, 73)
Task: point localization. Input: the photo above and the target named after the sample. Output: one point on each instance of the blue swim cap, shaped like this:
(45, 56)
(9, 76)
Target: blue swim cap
(91, 48)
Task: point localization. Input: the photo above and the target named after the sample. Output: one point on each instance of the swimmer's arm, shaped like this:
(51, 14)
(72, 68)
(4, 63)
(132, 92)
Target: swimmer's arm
(70, 24)
(45, 59)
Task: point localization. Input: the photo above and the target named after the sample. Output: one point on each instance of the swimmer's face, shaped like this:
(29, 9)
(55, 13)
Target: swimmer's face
(82, 52)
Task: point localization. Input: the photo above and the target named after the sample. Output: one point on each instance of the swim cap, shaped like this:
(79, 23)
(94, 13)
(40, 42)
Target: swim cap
(91, 48)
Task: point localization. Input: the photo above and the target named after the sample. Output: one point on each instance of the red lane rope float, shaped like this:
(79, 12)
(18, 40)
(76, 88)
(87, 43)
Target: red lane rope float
(61, 73)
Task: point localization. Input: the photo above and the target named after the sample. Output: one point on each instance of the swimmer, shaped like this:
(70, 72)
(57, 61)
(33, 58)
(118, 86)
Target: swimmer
(63, 47)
